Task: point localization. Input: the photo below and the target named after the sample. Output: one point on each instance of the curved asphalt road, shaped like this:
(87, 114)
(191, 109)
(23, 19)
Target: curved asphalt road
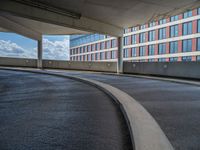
(46, 112)
(175, 106)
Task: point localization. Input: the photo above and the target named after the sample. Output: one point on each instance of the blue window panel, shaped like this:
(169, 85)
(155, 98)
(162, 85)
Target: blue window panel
(187, 28)
(162, 59)
(142, 37)
(187, 45)
(174, 31)
(187, 14)
(134, 52)
(142, 26)
(173, 59)
(114, 43)
(126, 53)
(162, 21)
(174, 18)
(152, 35)
(173, 47)
(162, 33)
(162, 48)
(151, 50)
(134, 39)
(187, 58)
(198, 44)
(198, 58)
(113, 54)
(126, 40)
(142, 50)
(151, 24)
(198, 26)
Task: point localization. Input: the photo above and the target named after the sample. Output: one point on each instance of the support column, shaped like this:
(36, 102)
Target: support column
(39, 60)
(120, 55)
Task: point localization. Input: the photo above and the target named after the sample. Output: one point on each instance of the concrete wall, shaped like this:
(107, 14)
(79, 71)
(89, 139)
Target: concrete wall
(18, 62)
(78, 65)
(173, 69)
(53, 64)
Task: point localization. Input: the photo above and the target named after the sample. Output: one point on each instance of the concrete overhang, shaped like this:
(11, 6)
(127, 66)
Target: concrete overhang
(94, 16)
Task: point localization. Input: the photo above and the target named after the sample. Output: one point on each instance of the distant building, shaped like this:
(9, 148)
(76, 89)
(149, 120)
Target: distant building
(175, 38)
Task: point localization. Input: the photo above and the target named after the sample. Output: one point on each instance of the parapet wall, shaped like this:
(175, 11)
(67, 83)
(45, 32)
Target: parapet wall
(54, 64)
(172, 69)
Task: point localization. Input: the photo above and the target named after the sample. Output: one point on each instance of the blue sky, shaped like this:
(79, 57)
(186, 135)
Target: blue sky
(14, 45)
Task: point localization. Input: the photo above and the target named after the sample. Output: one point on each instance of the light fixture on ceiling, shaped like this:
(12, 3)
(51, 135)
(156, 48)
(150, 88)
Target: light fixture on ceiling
(50, 8)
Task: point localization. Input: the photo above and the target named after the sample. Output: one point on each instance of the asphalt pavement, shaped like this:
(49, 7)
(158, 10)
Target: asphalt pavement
(52, 113)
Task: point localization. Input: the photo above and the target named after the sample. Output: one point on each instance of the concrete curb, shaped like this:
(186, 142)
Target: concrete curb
(145, 131)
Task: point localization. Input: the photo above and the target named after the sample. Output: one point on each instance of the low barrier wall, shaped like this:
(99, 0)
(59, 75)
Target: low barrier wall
(172, 69)
(54, 64)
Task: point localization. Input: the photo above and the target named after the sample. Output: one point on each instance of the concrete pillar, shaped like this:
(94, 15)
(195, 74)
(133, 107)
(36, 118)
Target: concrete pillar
(120, 55)
(39, 61)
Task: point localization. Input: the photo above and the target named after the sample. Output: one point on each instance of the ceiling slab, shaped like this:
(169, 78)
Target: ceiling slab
(96, 16)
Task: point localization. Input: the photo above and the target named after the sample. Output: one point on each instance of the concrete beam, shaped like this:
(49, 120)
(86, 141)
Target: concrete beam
(84, 23)
(10, 25)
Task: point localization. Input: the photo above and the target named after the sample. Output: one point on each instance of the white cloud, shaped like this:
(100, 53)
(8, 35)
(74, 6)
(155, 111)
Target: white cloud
(58, 50)
(11, 49)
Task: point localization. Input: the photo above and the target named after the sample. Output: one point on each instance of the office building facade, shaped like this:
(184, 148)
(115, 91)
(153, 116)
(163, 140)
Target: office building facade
(175, 38)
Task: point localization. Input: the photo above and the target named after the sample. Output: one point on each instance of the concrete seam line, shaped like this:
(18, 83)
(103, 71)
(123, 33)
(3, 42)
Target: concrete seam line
(146, 132)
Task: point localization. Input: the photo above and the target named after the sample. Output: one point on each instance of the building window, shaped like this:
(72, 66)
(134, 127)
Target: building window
(198, 11)
(198, 26)
(126, 30)
(113, 54)
(126, 40)
(162, 33)
(151, 50)
(187, 45)
(126, 53)
(152, 35)
(107, 55)
(114, 43)
(187, 28)
(162, 48)
(142, 50)
(142, 37)
(93, 57)
(151, 24)
(134, 29)
(93, 47)
(173, 47)
(96, 56)
(174, 31)
(143, 26)
(162, 21)
(108, 44)
(134, 52)
(134, 39)
(102, 45)
(174, 18)
(102, 56)
(187, 14)
(198, 58)
(89, 56)
(89, 48)
(198, 44)
(187, 58)
(173, 59)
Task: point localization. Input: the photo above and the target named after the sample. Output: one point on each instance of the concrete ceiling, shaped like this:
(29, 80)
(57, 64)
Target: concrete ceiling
(97, 16)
